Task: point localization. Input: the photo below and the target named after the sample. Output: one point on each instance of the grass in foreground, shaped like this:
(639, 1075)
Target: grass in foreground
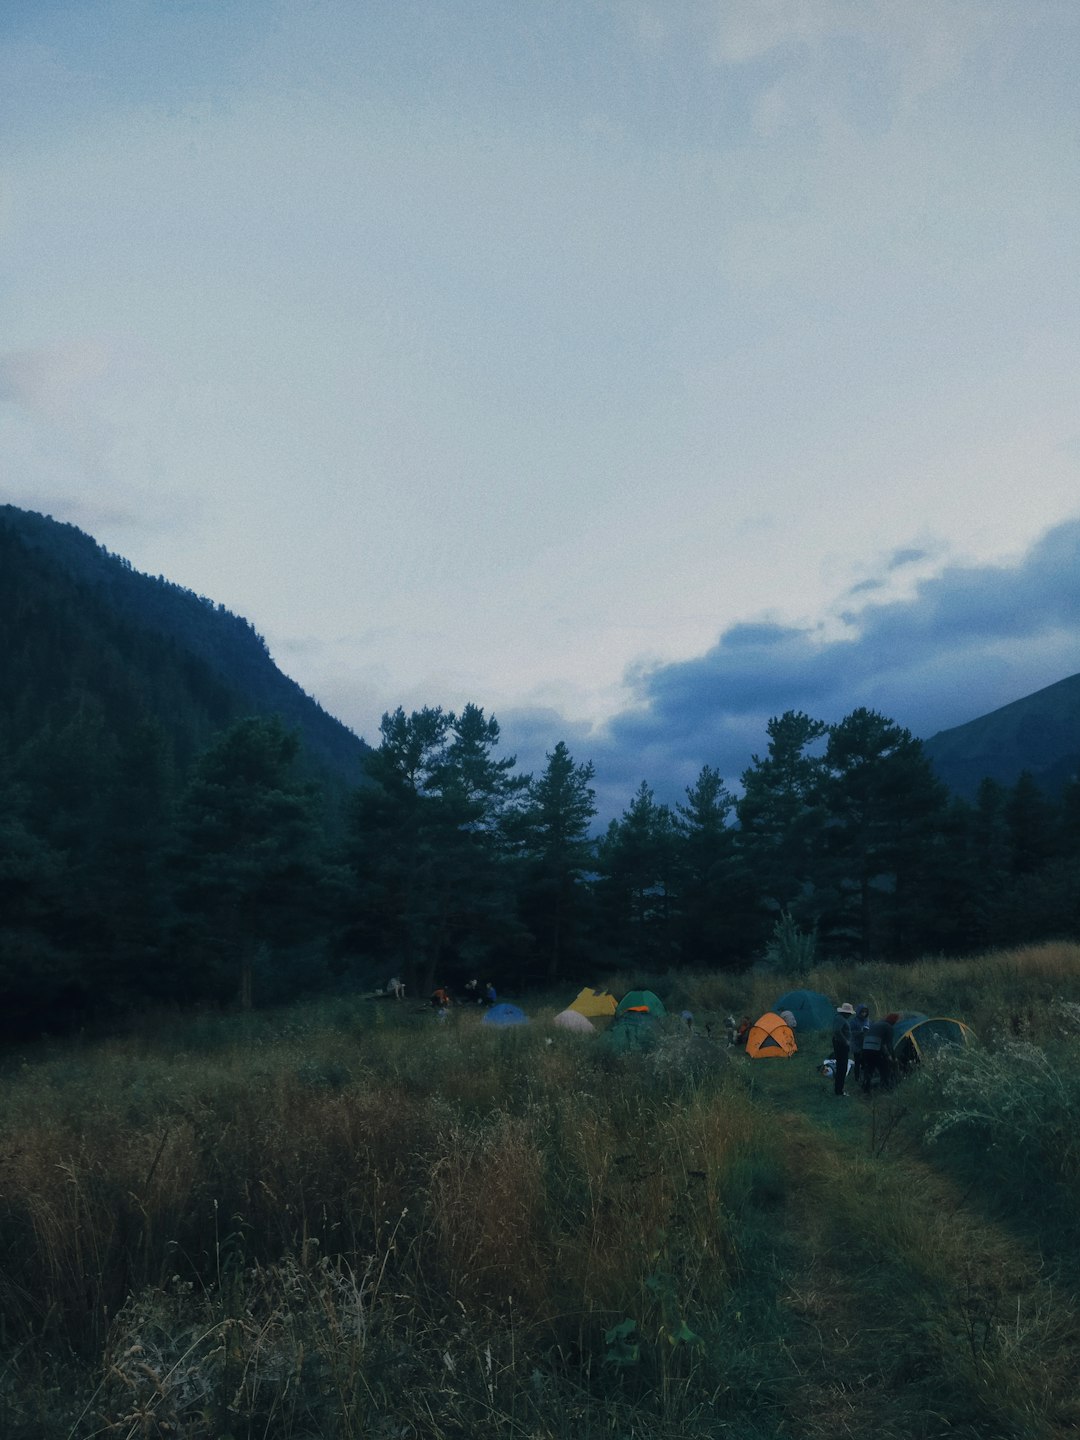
(316, 1224)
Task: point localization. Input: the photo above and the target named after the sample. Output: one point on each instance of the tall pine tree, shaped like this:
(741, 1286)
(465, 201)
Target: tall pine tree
(558, 853)
(248, 860)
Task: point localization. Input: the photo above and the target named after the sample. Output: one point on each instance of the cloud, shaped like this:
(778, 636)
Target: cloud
(910, 556)
(920, 44)
(69, 422)
(968, 640)
(49, 381)
(532, 734)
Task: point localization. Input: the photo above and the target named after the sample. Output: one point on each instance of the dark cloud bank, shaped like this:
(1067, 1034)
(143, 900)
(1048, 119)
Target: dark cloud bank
(969, 640)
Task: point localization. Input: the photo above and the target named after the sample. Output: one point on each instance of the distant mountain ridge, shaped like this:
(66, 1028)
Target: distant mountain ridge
(1039, 733)
(213, 654)
(205, 666)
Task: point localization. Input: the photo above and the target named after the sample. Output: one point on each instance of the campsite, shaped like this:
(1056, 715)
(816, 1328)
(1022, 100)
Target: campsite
(347, 1219)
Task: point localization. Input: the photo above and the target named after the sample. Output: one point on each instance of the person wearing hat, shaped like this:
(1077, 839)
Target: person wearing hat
(841, 1040)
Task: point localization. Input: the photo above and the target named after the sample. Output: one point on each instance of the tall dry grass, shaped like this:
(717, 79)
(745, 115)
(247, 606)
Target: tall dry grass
(199, 1221)
(983, 990)
(347, 1220)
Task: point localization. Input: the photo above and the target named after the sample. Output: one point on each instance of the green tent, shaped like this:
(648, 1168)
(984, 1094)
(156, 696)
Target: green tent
(915, 1037)
(812, 1009)
(643, 1002)
(633, 1032)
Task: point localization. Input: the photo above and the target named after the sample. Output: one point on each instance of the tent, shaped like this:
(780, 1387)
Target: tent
(592, 1003)
(634, 1030)
(812, 1010)
(770, 1037)
(572, 1019)
(644, 1002)
(916, 1037)
(504, 1015)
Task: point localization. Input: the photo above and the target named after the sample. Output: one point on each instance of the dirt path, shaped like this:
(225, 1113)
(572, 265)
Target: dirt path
(912, 1313)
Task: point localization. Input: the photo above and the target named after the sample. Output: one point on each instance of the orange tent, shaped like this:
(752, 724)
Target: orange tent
(770, 1036)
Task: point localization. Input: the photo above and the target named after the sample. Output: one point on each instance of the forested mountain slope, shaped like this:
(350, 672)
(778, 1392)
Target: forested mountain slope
(79, 626)
(168, 798)
(1039, 734)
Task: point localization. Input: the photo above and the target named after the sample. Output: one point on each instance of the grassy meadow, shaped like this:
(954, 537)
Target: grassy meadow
(346, 1220)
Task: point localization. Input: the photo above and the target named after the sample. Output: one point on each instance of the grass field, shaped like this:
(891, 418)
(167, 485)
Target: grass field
(349, 1221)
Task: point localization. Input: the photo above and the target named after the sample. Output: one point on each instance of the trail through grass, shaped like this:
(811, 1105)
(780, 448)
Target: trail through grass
(912, 1306)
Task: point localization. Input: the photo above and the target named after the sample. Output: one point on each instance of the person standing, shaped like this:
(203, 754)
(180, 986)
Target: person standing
(841, 1040)
(877, 1055)
(859, 1027)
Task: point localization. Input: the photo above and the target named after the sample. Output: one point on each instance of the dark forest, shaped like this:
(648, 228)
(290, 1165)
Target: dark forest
(179, 824)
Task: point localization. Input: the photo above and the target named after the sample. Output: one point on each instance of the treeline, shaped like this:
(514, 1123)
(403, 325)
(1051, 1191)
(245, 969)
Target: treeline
(128, 877)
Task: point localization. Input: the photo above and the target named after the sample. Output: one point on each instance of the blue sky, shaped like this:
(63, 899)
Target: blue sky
(634, 370)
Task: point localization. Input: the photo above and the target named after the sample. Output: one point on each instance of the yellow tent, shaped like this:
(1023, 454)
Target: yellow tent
(594, 1002)
(770, 1036)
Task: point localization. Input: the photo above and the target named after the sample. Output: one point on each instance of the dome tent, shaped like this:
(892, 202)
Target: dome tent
(770, 1038)
(572, 1019)
(812, 1009)
(504, 1015)
(643, 1002)
(633, 1030)
(917, 1037)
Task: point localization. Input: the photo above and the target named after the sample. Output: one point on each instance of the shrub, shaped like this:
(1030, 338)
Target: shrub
(1018, 1100)
(791, 951)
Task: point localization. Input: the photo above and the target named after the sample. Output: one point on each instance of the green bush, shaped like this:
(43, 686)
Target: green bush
(1018, 1102)
(791, 951)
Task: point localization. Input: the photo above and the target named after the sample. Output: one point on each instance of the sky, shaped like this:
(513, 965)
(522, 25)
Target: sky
(634, 369)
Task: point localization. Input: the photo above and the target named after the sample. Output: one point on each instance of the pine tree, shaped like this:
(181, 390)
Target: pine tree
(558, 852)
(782, 818)
(637, 857)
(431, 845)
(718, 901)
(248, 859)
(1032, 824)
(884, 807)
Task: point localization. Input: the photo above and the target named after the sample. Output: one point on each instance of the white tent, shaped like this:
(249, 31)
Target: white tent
(574, 1020)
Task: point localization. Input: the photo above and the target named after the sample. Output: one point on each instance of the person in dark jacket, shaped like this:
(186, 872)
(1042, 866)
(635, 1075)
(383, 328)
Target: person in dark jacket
(858, 1027)
(877, 1055)
(841, 1040)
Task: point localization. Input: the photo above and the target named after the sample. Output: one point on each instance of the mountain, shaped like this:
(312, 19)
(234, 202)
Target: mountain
(1040, 734)
(80, 626)
(129, 873)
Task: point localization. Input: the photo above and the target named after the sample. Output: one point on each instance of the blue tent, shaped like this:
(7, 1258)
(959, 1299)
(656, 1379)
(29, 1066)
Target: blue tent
(812, 1010)
(503, 1015)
